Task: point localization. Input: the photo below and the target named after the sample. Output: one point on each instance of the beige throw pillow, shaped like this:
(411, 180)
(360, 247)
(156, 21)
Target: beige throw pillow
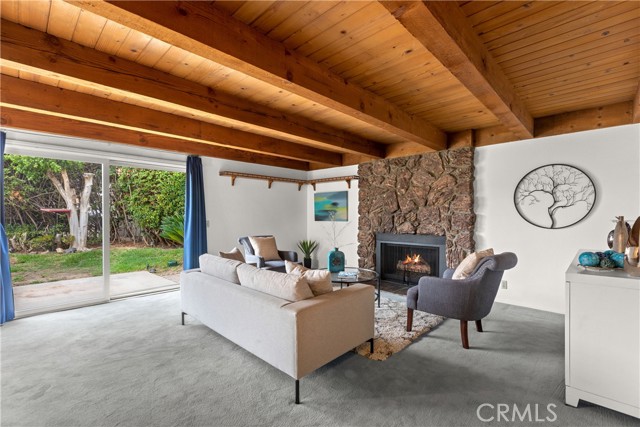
(289, 287)
(319, 280)
(265, 247)
(470, 263)
(233, 254)
(221, 268)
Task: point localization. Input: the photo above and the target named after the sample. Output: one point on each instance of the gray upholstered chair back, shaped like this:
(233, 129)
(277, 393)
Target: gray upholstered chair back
(467, 299)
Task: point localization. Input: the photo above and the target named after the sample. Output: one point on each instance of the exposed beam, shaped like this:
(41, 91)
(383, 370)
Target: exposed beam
(403, 149)
(465, 138)
(34, 51)
(51, 100)
(592, 118)
(28, 120)
(444, 30)
(575, 121)
(636, 106)
(202, 29)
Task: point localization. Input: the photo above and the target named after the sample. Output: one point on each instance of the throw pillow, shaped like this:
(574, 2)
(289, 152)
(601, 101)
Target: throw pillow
(265, 247)
(289, 287)
(470, 263)
(221, 268)
(294, 267)
(233, 254)
(319, 280)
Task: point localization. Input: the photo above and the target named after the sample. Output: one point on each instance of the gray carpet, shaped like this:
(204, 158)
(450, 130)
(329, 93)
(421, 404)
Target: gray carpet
(131, 363)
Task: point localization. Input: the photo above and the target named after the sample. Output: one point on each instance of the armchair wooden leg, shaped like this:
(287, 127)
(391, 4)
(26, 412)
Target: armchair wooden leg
(464, 334)
(409, 319)
(479, 325)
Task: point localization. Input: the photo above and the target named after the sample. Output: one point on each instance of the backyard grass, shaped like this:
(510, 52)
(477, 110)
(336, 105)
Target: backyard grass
(50, 267)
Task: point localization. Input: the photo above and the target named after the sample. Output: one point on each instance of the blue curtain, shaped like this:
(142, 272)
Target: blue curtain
(195, 221)
(7, 310)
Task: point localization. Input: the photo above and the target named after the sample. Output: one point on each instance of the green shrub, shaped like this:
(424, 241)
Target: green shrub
(173, 228)
(43, 243)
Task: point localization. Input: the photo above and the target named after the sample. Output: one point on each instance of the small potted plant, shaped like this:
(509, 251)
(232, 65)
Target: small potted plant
(307, 247)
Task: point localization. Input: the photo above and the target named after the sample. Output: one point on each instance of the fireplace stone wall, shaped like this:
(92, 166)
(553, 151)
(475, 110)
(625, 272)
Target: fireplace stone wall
(424, 194)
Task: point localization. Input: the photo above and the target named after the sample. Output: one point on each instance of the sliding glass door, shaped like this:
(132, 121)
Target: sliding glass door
(55, 227)
(146, 218)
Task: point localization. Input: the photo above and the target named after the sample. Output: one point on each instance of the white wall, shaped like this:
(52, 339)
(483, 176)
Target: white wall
(611, 157)
(250, 208)
(319, 230)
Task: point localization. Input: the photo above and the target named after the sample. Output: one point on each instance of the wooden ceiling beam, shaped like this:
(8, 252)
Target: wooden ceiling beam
(45, 99)
(204, 30)
(29, 120)
(575, 121)
(443, 29)
(636, 106)
(34, 51)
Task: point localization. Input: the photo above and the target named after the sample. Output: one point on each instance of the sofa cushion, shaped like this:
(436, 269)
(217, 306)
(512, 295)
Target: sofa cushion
(265, 247)
(221, 268)
(290, 287)
(469, 264)
(319, 280)
(233, 254)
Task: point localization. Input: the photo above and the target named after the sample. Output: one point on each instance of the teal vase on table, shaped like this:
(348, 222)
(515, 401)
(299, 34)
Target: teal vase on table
(335, 260)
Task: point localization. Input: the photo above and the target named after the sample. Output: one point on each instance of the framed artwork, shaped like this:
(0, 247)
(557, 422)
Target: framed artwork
(331, 206)
(555, 196)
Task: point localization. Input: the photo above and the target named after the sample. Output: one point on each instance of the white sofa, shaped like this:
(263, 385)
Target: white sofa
(295, 337)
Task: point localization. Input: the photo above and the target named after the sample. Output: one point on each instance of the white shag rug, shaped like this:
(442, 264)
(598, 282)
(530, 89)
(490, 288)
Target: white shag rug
(391, 334)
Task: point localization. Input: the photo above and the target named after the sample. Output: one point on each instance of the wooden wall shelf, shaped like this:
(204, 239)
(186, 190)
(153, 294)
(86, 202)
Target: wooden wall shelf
(300, 182)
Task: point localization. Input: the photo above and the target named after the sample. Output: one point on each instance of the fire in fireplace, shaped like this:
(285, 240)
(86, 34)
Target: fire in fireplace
(412, 264)
(404, 258)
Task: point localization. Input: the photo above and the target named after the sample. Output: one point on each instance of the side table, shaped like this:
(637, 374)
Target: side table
(357, 275)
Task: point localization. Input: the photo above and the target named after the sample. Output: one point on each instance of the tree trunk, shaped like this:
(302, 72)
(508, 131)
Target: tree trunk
(83, 217)
(78, 224)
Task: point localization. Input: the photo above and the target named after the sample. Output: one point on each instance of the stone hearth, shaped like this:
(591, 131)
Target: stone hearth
(424, 194)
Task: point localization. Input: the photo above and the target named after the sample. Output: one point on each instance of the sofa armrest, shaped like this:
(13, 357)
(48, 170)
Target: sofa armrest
(331, 324)
(289, 255)
(253, 259)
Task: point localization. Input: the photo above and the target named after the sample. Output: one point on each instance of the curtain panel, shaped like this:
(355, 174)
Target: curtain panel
(195, 220)
(7, 309)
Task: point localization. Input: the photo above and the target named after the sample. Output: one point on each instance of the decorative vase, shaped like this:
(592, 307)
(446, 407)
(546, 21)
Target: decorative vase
(634, 237)
(620, 235)
(306, 262)
(335, 260)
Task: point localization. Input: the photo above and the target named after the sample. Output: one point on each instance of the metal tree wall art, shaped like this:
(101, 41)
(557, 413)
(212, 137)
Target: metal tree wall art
(555, 196)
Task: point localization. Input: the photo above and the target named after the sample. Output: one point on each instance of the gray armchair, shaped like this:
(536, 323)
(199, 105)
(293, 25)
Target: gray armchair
(467, 299)
(251, 258)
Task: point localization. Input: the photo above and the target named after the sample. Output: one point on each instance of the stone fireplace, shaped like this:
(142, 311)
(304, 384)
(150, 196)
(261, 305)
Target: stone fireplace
(424, 195)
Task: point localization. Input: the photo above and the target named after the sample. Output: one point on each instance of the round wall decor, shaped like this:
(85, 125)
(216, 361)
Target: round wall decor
(555, 196)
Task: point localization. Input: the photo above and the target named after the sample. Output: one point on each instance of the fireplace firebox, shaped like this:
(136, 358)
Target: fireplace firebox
(405, 258)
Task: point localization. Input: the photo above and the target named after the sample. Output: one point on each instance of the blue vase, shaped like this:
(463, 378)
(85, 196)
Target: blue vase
(335, 260)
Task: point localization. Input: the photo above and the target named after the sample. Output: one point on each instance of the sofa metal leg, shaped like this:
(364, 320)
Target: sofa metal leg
(479, 325)
(183, 313)
(409, 319)
(464, 334)
(371, 345)
(297, 392)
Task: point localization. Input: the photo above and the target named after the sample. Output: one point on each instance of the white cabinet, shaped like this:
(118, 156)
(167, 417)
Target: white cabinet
(602, 339)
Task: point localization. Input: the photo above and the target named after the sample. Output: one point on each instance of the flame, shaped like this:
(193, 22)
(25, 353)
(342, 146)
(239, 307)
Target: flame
(412, 259)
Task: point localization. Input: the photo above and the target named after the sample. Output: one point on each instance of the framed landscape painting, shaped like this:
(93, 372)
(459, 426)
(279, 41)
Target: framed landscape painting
(331, 206)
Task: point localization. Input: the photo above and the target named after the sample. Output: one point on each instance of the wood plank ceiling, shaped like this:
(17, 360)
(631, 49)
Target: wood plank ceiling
(314, 84)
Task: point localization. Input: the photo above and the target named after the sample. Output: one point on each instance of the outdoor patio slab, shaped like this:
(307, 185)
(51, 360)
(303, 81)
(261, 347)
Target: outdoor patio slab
(65, 292)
